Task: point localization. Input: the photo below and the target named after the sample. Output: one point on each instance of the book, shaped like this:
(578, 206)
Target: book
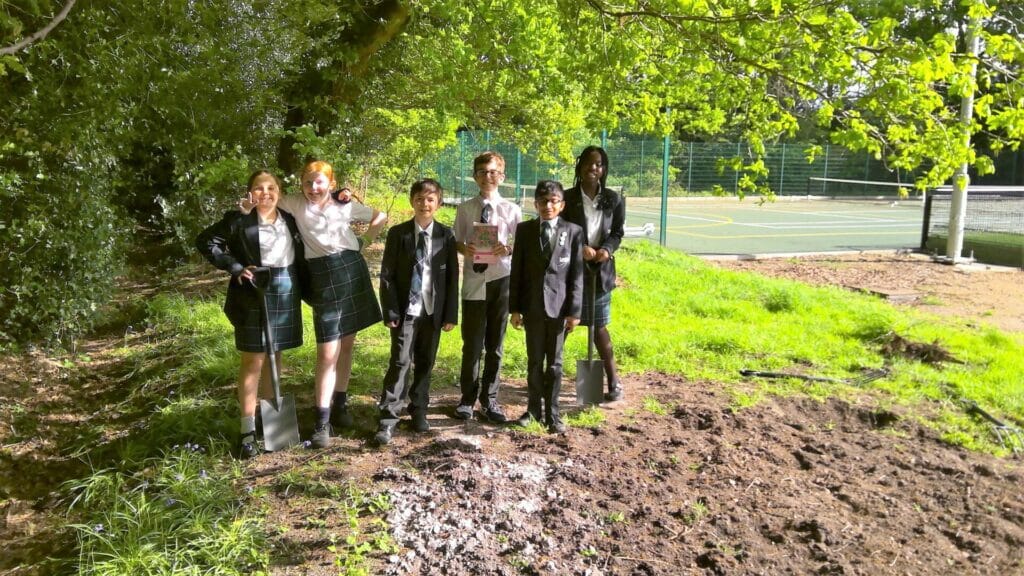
(485, 240)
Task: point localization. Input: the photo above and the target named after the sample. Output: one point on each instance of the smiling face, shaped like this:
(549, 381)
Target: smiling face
(424, 204)
(549, 205)
(265, 192)
(591, 168)
(316, 187)
(489, 175)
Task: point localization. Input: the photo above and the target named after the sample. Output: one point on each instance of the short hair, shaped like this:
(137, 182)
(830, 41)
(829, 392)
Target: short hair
(427, 185)
(259, 173)
(547, 188)
(318, 166)
(579, 164)
(486, 157)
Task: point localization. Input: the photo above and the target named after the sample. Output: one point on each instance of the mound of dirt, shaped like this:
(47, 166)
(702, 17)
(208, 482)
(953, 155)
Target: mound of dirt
(789, 486)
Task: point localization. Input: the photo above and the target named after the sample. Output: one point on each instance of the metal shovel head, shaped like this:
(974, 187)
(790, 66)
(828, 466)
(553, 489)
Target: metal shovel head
(589, 382)
(280, 424)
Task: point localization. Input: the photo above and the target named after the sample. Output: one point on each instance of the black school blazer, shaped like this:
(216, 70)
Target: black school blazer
(396, 272)
(614, 207)
(232, 244)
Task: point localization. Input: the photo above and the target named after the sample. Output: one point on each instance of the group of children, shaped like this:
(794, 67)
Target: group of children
(534, 270)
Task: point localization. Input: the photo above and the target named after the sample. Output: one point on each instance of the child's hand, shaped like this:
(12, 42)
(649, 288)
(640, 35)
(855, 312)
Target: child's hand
(448, 327)
(517, 320)
(246, 276)
(570, 323)
(247, 203)
(601, 255)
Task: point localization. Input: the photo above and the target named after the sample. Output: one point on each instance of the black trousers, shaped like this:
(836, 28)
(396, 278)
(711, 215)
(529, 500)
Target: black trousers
(414, 341)
(544, 340)
(483, 330)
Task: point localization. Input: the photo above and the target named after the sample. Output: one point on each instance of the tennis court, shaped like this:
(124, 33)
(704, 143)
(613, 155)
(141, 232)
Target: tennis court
(788, 225)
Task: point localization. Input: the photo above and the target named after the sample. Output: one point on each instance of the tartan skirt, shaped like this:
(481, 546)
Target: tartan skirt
(342, 295)
(600, 310)
(285, 308)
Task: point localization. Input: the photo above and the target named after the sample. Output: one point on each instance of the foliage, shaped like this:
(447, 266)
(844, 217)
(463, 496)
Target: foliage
(181, 514)
(154, 111)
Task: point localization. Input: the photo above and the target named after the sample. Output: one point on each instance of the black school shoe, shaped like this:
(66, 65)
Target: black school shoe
(384, 434)
(557, 427)
(464, 412)
(494, 415)
(340, 416)
(614, 392)
(247, 447)
(321, 437)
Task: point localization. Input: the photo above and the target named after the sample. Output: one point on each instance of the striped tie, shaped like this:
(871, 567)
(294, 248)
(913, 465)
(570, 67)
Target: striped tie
(416, 285)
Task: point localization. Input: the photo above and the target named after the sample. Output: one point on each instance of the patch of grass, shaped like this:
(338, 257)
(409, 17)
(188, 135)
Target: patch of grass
(652, 405)
(591, 417)
(181, 511)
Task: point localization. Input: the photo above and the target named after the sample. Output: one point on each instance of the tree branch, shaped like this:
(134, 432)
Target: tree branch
(13, 48)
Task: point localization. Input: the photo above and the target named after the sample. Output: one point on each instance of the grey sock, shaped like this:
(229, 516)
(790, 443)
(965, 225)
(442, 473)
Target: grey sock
(247, 424)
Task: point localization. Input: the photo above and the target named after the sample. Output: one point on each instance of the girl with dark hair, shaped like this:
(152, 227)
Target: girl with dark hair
(602, 214)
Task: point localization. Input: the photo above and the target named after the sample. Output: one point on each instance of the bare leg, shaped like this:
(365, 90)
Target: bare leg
(344, 363)
(248, 381)
(326, 369)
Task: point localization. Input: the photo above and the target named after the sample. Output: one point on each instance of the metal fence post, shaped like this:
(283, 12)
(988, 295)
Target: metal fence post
(462, 153)
(782, 171)
(604, 139)
(664, 186)
(689, 171)
(736, 177)
(825, 174)
(519, 175)
(640, 174)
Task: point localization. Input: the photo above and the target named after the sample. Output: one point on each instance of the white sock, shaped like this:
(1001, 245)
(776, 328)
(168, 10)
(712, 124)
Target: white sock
(248, 425)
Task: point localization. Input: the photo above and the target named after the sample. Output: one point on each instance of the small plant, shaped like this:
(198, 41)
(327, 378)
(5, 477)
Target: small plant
(588, 552)
(652, 405)
(592, 417)
(698, 510)
(615, 517)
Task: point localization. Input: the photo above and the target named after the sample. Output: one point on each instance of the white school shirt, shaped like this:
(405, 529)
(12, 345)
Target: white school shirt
(426, 287)
(276, 250)
(595, 219)
(507, 215)
(329, 230)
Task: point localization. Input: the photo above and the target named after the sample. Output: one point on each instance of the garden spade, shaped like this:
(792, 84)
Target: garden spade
(590, 372)
(280, 424)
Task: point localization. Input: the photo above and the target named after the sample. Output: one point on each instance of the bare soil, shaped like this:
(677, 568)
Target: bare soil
(676, 481)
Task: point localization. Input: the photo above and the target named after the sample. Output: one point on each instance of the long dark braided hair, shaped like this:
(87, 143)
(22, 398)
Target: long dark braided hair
(604, 173)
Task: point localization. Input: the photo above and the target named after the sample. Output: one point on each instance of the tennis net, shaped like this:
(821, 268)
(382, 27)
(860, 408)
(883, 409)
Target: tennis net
(993, 224)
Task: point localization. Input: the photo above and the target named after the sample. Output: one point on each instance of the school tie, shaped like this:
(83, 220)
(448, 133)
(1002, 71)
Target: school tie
(545, 239)
(485, 217)
(416, 285)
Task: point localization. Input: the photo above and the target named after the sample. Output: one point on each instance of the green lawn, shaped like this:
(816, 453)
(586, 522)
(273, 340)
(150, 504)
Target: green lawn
(672, 313)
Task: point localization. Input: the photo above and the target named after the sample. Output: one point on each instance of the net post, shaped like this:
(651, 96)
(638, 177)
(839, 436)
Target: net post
(926, 221)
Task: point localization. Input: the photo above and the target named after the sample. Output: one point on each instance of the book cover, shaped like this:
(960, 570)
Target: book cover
(485, 239)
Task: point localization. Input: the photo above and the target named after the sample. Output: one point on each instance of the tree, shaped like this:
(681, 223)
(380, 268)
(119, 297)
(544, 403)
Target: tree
(151, 113)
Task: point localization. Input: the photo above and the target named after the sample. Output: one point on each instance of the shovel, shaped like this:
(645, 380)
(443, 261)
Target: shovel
(280, 424)
(590, 372)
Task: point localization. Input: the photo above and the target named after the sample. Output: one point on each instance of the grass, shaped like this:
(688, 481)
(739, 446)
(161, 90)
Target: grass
(165, 506)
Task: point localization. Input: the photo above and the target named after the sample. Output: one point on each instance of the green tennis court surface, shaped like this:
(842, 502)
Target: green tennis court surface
(731, 226)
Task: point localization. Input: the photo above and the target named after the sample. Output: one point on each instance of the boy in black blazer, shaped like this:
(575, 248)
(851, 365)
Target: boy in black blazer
(419, 280)
(546, 298)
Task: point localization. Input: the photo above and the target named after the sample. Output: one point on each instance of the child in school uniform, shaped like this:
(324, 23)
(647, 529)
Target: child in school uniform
(484, 289)
(419, 279)
(238, 244)
(341, 292)
(602, 214)
(546, 298)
